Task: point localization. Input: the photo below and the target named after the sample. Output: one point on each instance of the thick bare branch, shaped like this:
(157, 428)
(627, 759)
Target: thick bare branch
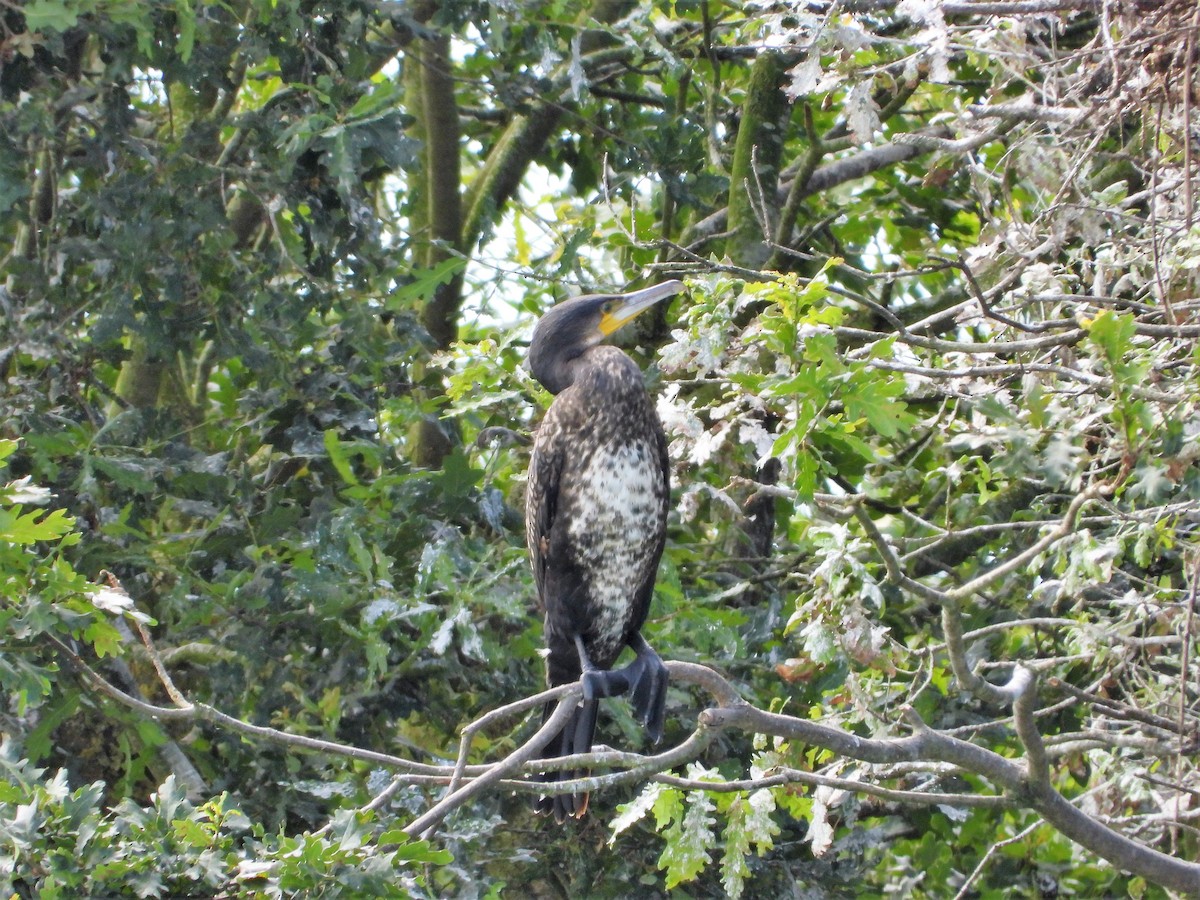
(1023, 690)
(956, 652)
(928, 744)
(426, 823)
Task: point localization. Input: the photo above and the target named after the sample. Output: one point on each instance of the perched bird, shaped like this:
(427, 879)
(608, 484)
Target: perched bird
(596, 518)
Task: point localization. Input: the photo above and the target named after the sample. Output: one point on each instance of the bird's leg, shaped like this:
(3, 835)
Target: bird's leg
(599, 682)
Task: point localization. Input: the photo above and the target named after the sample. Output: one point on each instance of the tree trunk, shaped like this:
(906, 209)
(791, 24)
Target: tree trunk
(754, 173)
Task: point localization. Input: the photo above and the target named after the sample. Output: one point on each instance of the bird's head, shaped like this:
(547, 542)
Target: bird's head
(572, 327)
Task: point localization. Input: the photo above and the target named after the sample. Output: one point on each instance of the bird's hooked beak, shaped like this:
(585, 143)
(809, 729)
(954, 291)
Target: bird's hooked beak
(625, 307)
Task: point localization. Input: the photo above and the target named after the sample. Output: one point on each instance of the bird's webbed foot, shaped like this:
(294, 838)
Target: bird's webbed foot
(648, 675)
(645, 677)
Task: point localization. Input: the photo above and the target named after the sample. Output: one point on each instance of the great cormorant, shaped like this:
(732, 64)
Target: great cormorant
(596, 517)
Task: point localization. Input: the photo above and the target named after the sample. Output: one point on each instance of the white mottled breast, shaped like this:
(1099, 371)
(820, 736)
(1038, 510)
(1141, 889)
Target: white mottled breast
(614, 535)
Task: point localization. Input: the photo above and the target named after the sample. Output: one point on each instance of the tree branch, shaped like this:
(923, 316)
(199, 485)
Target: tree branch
(822, 178)
(795, 776)
(965, 7)
(443, 200)
(424, 824)
(1065, 527)
(1023, 690)
(1022, 787)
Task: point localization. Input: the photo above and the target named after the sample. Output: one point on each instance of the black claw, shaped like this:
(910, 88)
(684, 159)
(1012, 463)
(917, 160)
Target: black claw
(643, 695)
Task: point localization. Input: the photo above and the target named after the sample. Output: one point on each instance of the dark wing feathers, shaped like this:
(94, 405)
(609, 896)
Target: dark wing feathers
(541, 503)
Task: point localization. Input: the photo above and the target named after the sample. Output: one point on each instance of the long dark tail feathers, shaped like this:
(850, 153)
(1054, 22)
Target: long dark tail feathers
(577, 736)
(646, 678)
(563, 806)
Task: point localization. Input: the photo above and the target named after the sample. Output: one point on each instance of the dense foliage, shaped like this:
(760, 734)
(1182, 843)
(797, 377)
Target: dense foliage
(268, 272)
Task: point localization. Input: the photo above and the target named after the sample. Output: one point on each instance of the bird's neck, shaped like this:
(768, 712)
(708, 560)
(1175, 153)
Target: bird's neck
(561, 375)
(601, 363)
(606, 373)
(554, 368)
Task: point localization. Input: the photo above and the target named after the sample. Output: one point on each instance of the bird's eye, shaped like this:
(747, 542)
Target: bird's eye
(609, 306)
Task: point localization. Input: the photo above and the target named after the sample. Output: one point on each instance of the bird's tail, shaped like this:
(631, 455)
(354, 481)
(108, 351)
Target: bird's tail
(576, 737)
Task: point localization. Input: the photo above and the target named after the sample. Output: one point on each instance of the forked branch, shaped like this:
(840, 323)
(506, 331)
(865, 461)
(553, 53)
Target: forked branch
(1017, 783)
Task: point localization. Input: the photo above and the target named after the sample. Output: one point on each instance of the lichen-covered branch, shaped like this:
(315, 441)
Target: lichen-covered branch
(1027, 785)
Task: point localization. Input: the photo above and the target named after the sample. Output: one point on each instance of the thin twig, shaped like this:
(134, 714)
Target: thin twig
(1118, 710)
(796, 776)
(1064, 528)
(999, 845)
(205, 713)
(472, 728)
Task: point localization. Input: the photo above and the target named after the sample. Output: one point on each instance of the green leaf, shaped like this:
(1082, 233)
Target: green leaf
(129, 472)
(33, 526)
(635, 810)
(383, 96)
(458, 477)
(808, 467)
(668, 806)
(415, 851)
(185, 21)
(734, 868)
(1114, 333)
(689, 841)
(750, 825)
(423, 283)
(819, 642)
(875, 400)
(53, 15)
(807, 382)
(104, 637)
(822, 348)
(337, 456)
